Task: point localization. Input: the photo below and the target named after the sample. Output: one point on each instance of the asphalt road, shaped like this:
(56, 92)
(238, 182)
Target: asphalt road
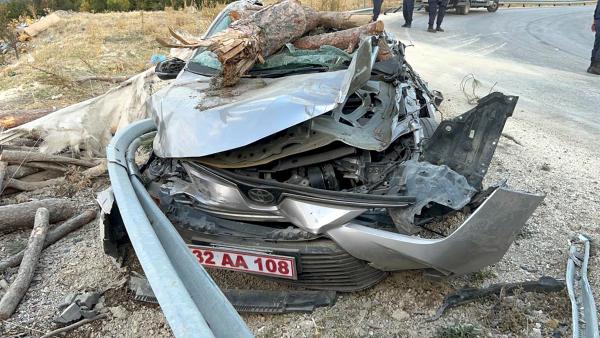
(539, 54)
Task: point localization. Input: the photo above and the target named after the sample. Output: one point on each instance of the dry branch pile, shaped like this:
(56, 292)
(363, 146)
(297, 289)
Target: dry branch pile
(258, 34)
(24, 168)
(29, 170)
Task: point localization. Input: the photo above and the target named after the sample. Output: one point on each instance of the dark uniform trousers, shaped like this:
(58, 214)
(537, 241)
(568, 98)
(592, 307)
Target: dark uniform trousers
(376, 8)
(596, 50)
(407, 10)
(437, 7)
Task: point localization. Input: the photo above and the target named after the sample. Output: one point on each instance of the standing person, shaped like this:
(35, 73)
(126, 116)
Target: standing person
(595, 65)
(436, 7)
(407, 11)
(376, 9)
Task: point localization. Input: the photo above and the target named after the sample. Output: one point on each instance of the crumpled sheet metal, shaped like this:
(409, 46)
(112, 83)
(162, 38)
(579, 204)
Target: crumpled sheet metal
(430, 183)
(194, 121)
(480, 241)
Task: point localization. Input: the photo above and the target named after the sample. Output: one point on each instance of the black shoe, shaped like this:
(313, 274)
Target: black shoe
(406, 25)
(431, 30)
(594, 68)
(439, 29)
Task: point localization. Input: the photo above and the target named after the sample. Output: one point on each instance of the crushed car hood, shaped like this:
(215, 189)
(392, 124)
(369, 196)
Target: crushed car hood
(203, 121)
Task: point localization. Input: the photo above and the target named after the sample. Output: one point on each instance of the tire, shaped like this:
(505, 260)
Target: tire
(493, 7)
(463, 10)
(426, 8)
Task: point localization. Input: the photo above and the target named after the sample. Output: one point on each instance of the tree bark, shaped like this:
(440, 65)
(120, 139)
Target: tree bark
(53, 236)
(19, 287)
(12, 156)
(252, 39)
(346, 39)
(343, 20)
(244, 11)
(21, 216)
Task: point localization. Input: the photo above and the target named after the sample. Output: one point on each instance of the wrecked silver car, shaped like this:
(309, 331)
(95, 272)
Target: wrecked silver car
(326, 168)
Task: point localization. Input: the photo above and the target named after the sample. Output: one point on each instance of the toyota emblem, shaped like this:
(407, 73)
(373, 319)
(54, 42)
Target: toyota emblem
(260, 196)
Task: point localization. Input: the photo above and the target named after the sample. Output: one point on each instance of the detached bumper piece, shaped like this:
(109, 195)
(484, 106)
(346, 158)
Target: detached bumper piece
(480, 241)
(254, 301)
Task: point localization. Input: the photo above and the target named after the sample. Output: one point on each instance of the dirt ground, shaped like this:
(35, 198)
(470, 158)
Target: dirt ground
(549, 161)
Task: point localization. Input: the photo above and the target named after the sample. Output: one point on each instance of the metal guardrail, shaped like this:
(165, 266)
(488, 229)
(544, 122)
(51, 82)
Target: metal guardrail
(192, 303)
(583, 307)
(511, 3)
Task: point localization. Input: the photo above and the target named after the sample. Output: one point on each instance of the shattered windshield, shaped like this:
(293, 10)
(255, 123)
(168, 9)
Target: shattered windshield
(289, 59)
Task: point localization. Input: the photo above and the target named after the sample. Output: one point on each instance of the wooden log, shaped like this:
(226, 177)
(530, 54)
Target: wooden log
(111, 79)
(12, 156)
(11, 120)
(27, 142)
(48, 166)
(19, 287)
(3, 173)
(343, 20)
(16, 171)
(21, 216)
(20, 148)
(41, 25)
(32, 186)
(93, 172)
(53, 236)
(347, 39)
(43, 175)
(263, 33)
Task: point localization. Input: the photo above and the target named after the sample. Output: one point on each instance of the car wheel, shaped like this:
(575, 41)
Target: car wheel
(493, 7)
(464, 10)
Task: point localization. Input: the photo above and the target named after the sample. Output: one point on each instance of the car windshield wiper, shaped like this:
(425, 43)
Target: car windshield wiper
(267, 73)
(276, 72)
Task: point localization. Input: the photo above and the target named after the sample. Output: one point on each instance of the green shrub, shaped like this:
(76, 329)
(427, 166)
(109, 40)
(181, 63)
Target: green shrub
(118, 5)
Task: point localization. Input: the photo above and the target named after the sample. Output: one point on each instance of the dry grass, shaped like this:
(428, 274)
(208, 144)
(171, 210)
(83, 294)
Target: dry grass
(85, 44)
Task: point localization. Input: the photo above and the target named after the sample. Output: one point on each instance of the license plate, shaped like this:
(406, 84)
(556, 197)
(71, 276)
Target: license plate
(253, 262)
